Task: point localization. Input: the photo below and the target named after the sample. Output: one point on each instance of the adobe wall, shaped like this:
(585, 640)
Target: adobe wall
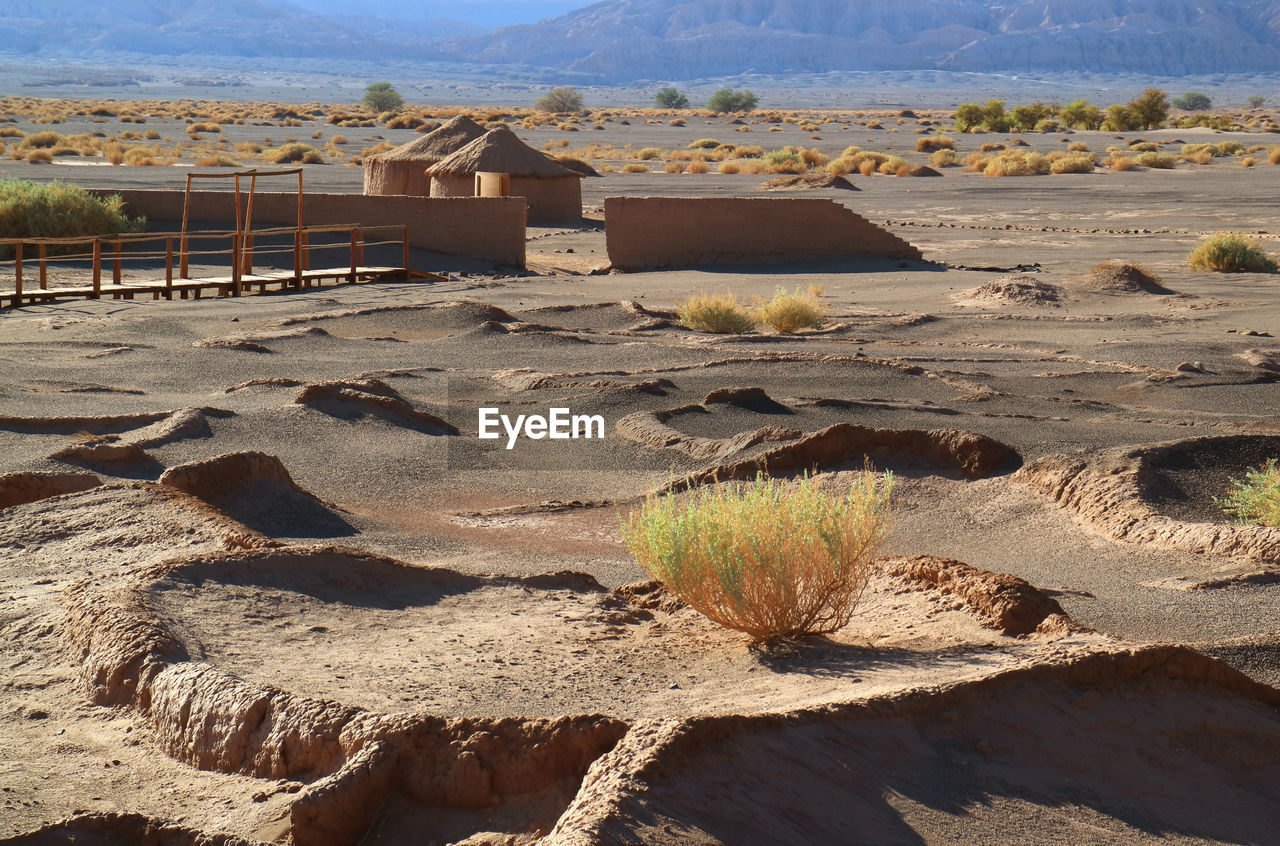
(488, 228)
(556, 200)
(646, 233)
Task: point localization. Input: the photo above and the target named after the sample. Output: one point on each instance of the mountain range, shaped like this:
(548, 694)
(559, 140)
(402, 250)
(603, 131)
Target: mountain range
(620, 41)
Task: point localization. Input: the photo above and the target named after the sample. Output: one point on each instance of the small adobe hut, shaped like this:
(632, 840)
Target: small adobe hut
(404, 169)
(553, 192)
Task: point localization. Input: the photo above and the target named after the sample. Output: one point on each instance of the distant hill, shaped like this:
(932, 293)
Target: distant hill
(623, 40)
(234, 28)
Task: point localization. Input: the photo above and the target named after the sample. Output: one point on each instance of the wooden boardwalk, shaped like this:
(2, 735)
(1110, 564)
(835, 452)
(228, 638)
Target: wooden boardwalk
(114, 252)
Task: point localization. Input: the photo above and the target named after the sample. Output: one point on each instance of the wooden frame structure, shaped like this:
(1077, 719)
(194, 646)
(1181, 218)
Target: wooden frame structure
(244, 218)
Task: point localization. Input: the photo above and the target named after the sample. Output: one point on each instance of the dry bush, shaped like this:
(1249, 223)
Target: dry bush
(771, 559)
(788, 313)
(939, 142)
(943, 158)
(39, 156)
(1231, 252)
(1255, 500)
(151, 135)
(675, 167)
(704, 144)
(1200, 157)
(1017, 163)
(204, 127)
(1143, 147)
(1160, 161)
(380, 147)
(891, 165)
(729, 167)
(1077, 147)
(288, 153)
(1072, 164)
(1273, 155)
(720, 314)
(753, 166)
(1247, 161)
(11, 132)
(992, 147)
(699, 167)
(867, 167)
(218, 161)
(649, 153)
(747, 152)
(976, 162)
(249, 148)
(677, 122)
(1120, 162)
(635, 167)
(48, 138)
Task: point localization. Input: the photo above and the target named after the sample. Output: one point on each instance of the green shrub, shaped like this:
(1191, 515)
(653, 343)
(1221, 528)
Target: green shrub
(59, 210)
(720, 314)
(1231, 252)
(562, 100)
(670, 98)
(789, 313)
(381, 97)
(1161, 161)
(1255, 500)
(767, 558)
(295, 152)
(728, 100)
(704, 144)
(1192, 101)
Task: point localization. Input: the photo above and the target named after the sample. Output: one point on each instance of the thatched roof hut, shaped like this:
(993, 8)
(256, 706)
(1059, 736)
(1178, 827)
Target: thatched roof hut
(553, 192)
(404, 169)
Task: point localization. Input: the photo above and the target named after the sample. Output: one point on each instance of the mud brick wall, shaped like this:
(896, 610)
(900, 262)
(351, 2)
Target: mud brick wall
(487, 228)
(645, 233)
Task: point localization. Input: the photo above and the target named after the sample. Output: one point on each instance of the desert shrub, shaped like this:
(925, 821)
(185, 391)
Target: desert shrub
(1231, 252)
(704, 144)
(1017, 163)
(39, 156)
(204, 127)
(992, 147)
(1081, 115)
(251, 148)
(1119, 161)
(768, 558)
(1159, 161)
(698, 166)
(1077, 147)
(404, 122)
(891, 165)
(1256, 498)
(48, 138)
(729, 167)
(564, 99)
(1192, 101)
(1247, 161)
(938, 142)
(59, 210)
(1256, 101)
(943, 158)
(635, 167)
(303, 153)
(728, 100)
(790, 312)
(675, 167)
(11, 132)
(677, 122)
(753, 166)
(218, 161)
(1143, 147)
(976, 162)
(670, 98)
(720, 314)
(813, 158)
(1273, 155)
(1072, 164)
(747, 152)
(1229, 148)
(381, 97)
(649, 154)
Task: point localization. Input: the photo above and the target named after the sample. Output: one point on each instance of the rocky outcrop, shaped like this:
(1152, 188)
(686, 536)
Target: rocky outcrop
(20, 488)
(116, 829)
(346, 398)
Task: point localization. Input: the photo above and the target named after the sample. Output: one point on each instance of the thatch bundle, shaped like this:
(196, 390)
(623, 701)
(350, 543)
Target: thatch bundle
(404, 169)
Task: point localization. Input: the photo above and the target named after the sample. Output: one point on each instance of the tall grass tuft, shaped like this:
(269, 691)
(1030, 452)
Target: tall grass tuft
(771, 559)
(59, 210)
(788, 313)
(1231, 252)
(719, 314)
(1256, 499)
(295, 152)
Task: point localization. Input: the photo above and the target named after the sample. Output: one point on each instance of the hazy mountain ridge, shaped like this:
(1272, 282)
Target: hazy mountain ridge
(682, 39)
(620, 41)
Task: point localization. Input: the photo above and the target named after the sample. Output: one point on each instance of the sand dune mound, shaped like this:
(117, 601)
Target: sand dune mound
(903, 769)
(21, 488)
(116, 829)
(1162, 495)
(1117, 278)
(106, 453)
(607, 316)
(405, 322)
(1268, 360)
(257, 490)
(103, 424)
(651, 429)
(237, 344)
(352, 399)
(948, 452)
(808, 182)
(1015, 290)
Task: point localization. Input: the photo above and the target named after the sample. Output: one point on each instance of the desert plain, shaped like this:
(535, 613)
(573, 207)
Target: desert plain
(261, 581)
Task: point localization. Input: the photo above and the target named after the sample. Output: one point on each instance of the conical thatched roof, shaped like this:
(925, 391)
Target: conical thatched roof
(501, 151)
(453, 135)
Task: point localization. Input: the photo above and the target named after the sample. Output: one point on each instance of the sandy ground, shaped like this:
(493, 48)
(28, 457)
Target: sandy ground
(925, 720)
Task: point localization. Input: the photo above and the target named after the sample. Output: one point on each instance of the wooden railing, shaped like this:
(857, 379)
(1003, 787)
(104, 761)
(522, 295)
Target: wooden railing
(241, 252)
